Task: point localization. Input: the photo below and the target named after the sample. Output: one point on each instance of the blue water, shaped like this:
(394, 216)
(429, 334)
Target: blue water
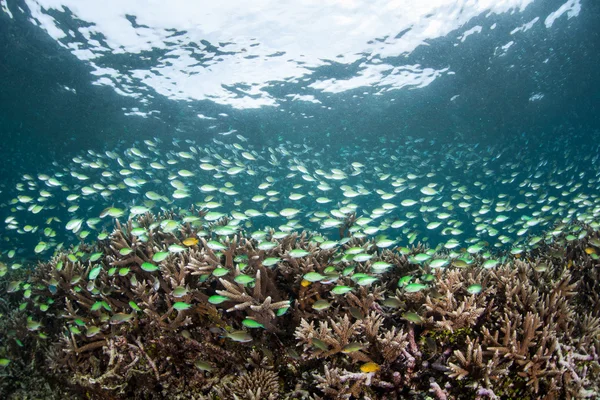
(511, 83)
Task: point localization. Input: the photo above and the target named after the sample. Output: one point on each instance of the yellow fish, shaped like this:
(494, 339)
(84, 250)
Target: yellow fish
(305, 283)
(192, 241)
(370, 367)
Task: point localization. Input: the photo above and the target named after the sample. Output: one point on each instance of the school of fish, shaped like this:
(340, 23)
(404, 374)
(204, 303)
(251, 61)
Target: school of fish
(461, 196)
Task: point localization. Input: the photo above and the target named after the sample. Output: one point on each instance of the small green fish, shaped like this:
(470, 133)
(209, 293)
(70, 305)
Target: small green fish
(41, 246)
(366, 280)
(380, 267)
(404, 280)
(321, 305)
(216, 299)
(180, 291)
(289, 212)
(176, 248)
(476, 248)
(13, 286)
(352, 347)
(95, 257)
(268, 262)
(149, 267)
(490, 263)
(203, 366)
(298, 253)
(319, 344)
(419, 258)
(328, 244)
(181, 306)
(412, 317)
(218, 272)
(138, 210)
(125, 251)
(414, 287)
(250, 323)
(392, 302)
(354, 251)
(474, 289)
(438, 263)
(160, 256)
(282, 311)
(119, 318)
(244, 279)
(266, 245)
(33, 325)
(340, 289)
(384, 243)
(359, 275)
(314, 277)
(138, 232)
(214, 245)
(94, 273)
(239, 336)
(362, 257)
(92, 331)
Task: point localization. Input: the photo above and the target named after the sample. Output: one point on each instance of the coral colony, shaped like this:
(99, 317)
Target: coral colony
(165, 308)
(396, 271)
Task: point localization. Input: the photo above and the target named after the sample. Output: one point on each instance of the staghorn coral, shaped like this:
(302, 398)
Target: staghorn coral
(109, 321)
(335, 334)
(256, 385)
(393, 344)
(341, 384)
(261, 306)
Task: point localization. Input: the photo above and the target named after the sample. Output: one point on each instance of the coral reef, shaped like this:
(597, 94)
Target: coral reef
(166, 307)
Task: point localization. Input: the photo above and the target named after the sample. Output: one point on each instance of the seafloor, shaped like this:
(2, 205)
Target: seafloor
(179, 316)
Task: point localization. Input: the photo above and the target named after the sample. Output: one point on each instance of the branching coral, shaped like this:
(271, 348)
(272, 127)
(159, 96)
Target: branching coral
(332, 337)
(185, 313)
(393, 344)
(256, 385)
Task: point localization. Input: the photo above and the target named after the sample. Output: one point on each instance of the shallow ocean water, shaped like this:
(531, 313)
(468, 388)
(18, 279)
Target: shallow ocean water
(468, 126)
(475, 95)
